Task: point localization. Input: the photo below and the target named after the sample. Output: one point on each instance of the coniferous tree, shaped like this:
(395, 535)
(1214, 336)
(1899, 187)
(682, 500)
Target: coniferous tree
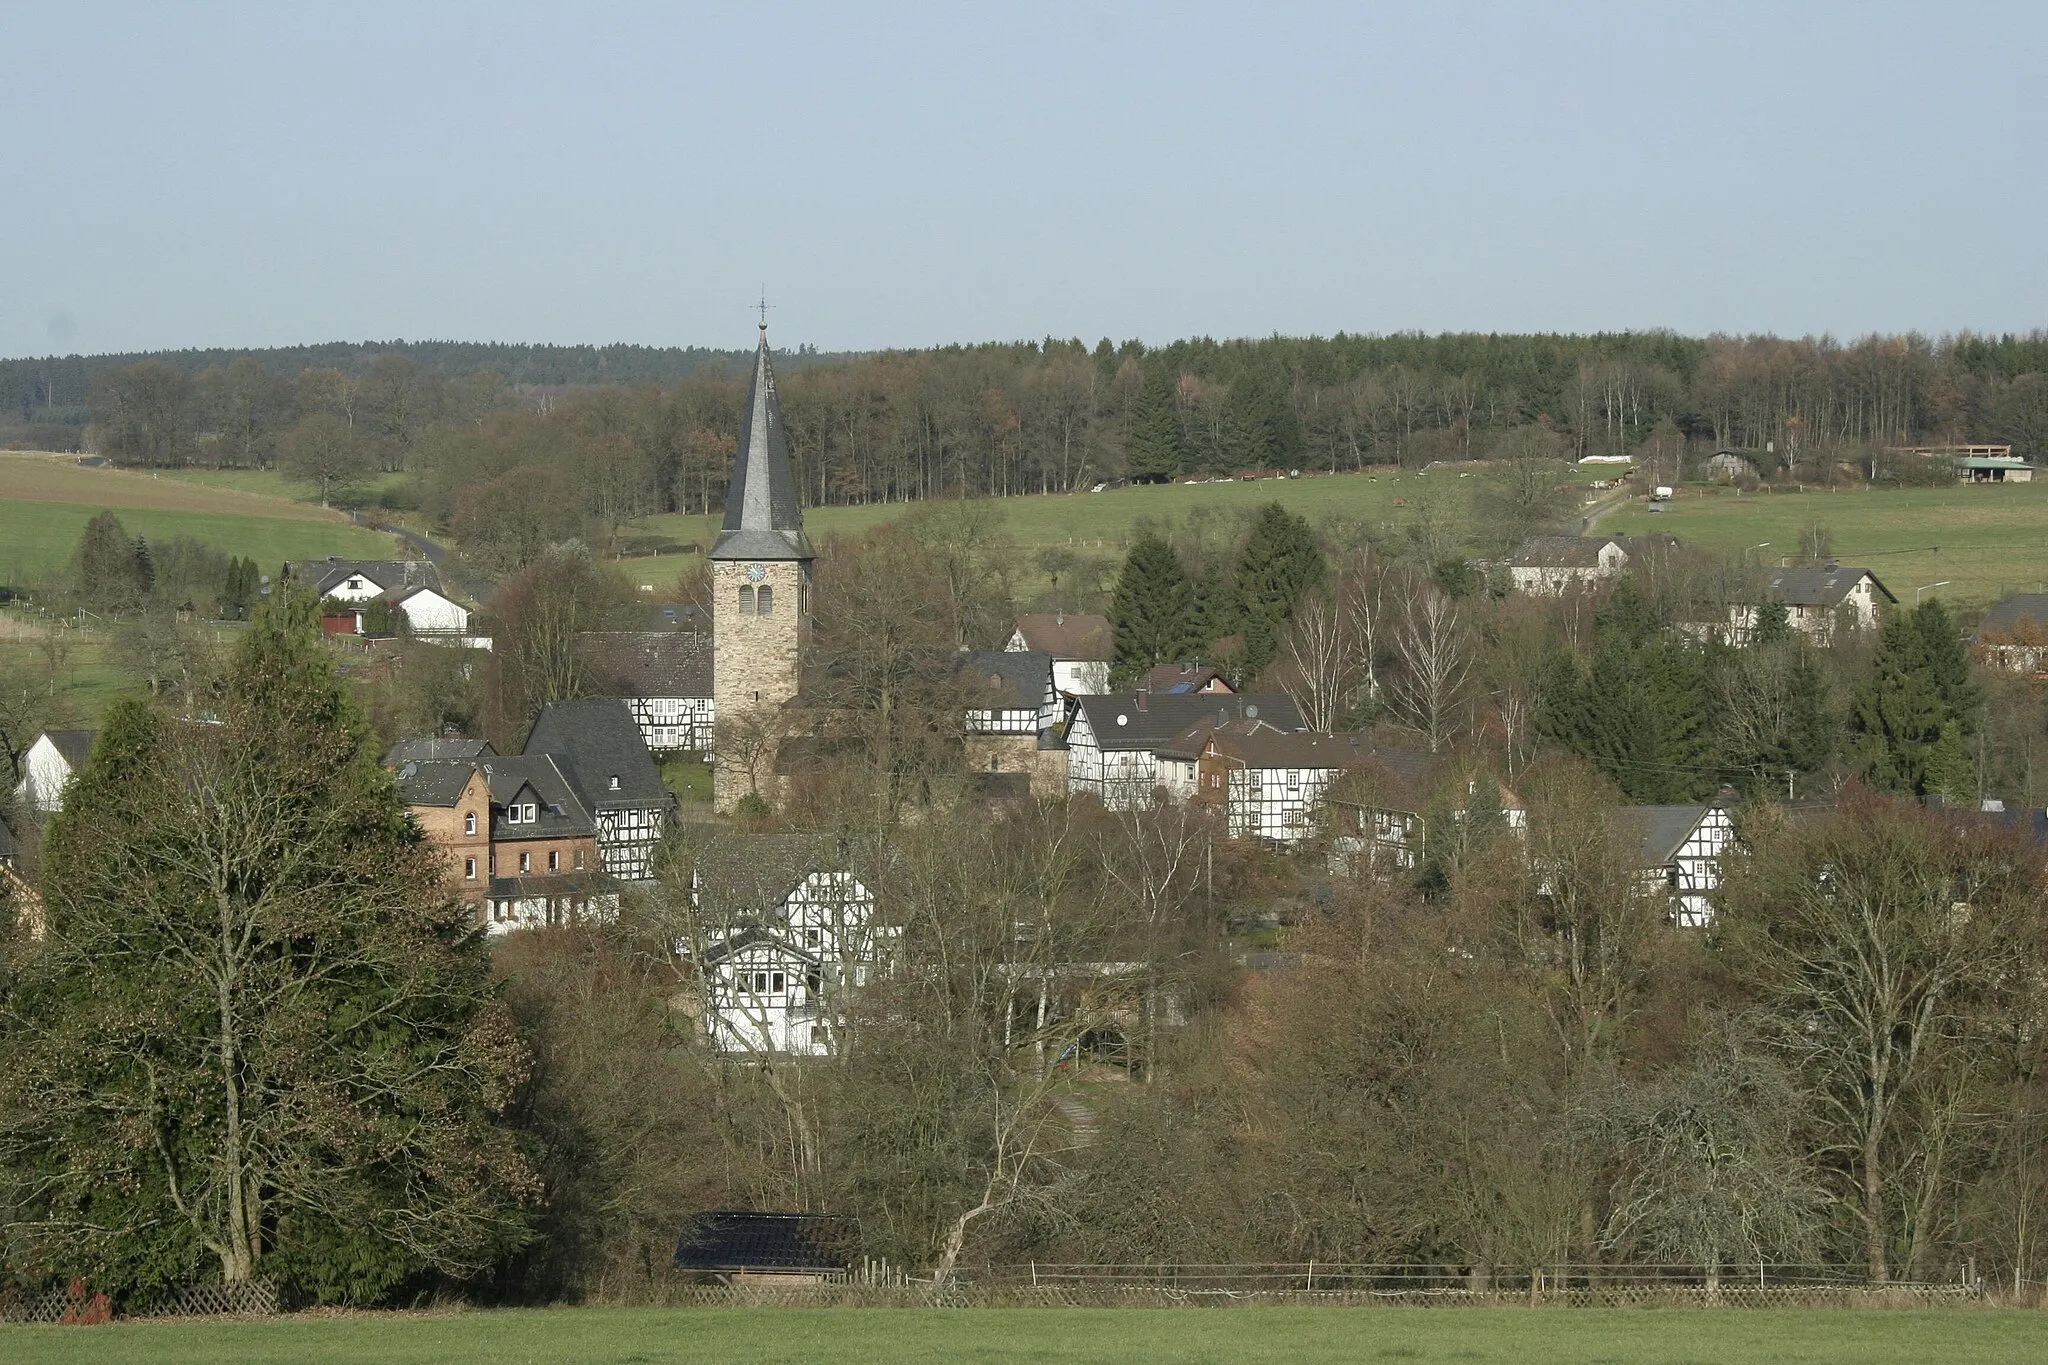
(113, 571)
(1153, 612)
(260, 1039)
(1919, 690)
(1156, 445)
(1640, 711)
(1279, 567)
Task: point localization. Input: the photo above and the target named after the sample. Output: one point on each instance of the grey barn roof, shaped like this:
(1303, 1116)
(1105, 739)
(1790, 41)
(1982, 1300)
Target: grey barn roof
(74, 745)
(2005, 617)
(650, 663)
(1168, 717)
(1820, 587)
(423, 750)
(762, 518)
(596, 739)
(1007, 679)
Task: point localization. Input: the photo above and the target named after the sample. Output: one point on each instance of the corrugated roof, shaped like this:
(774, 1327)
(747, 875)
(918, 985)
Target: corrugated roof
(1120, 724)
(1069, 635)
(595, 739)
(649, 663)
(762, 517)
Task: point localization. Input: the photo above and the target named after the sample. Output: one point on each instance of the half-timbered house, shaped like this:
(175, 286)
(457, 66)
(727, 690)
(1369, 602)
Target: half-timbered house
(1114, 739)
(598, 745)
(1681, 855)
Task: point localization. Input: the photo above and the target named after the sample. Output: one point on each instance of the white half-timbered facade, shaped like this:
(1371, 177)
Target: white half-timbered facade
(1681, 856)
(1114, 741)
(664, 677)
(598, 745)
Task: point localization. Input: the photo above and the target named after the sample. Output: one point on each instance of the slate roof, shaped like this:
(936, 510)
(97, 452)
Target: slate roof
(753, 936)
(733, 1240)
(1256, 744)
(1184, 678)
(1663, 830)
(397, 577)
(562, 814)
(1826, 587)
(434, 781)
(1391, 779)
(1006, 679)
(649, 663)
(2004, 618)
(424, 750)
(675, 616)
(1560, 552)
(1167, 718)
(1068, 635)
(596, 739)
(74, 745)
(762, 518)
(750, 876)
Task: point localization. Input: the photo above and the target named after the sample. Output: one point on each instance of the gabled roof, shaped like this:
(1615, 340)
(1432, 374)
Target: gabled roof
(762, 518)
(753, 936)
(750, 876)
(396, 577)
(1664, 829)
(1561, 552)
(1255, 744)
(1006, 679)
(1119, 723)
(2004, 618)
(562, 813)
(649, 663)
(1184, 678)
(423, 750)
(1390, 779)
(1823, 587)
(75, 746)
(434, 781)
(1068, 635)
(596, 739)
(733, 1240)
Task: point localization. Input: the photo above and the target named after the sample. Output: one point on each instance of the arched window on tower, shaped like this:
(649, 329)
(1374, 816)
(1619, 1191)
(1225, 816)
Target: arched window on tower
(766, 599)
(746, 599)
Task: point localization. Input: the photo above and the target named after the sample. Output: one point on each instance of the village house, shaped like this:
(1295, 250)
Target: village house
(519, 845)
(665, 679)
(1114, 739)
(1081, 646)
(1269, 782)
(1680, 855)
(1817, 602)
(47, 767)
(1378, 811)
(2013, 636)
(1193, 678)
(1550, 565)
(1012, 720)
(785, 929)
(411, 586)
(598, 746)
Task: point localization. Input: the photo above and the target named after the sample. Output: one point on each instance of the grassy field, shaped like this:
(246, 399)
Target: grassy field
(45, 501)
(1985, 541)
(1184, 1336)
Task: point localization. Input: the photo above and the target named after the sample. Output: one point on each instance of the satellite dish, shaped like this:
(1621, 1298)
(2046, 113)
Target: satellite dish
(1123, 720)
(1251, 713)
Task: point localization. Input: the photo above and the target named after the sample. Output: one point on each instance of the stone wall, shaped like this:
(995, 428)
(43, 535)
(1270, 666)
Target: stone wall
(756, 659)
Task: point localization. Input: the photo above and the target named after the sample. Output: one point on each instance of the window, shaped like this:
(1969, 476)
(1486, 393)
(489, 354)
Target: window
(469, 869)
(512, 814)
(469, 822)
(746, 599)
(525, 863)
(614, 784)
(579, 860)
(775, 984)
(766, 600)
(554, 861)
(528, 817)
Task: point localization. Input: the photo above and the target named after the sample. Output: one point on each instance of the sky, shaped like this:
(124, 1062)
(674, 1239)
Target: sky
(909, 175)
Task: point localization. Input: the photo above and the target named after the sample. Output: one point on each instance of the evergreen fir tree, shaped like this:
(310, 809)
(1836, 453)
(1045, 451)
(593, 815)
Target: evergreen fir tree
(1773, 624)
(1279, 567)
(1156, 446)
(1640, 712)
(112, 571)
(1897, 714)
(1263, 416)
(1152, 613)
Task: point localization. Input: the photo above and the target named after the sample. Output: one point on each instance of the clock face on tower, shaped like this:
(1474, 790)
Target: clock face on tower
(755, 573)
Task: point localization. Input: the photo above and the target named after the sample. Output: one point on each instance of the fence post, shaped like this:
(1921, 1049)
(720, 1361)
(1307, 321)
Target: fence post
(1311, 1274)
(1034, 1274)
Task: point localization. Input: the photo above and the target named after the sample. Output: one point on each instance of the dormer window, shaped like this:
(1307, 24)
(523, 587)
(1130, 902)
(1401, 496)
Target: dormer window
(529, 816)
(614, 783)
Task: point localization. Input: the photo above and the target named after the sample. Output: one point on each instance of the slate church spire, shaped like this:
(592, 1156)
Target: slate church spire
(762, 518)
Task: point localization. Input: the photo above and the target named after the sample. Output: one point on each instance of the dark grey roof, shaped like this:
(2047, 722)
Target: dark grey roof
(749, 937)
(2004, 618)
(397, 577)
(1068, 634)
(733, 1240)
(1166, 718)
(561, 813)
(74, 745)
(1560, 552)
(649, 663)
(1663, 829)
(595, 740)
(434, 781)
(1256, 744)
(675, 616)
(1820, 587)
(423, 750)
(1006, 679)
(749, 876)
(762, 518)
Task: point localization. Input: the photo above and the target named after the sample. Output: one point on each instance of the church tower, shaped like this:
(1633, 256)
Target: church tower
(760, 596)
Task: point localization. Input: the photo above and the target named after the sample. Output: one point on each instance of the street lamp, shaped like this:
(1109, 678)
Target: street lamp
(1917, 591)
(1761, 545)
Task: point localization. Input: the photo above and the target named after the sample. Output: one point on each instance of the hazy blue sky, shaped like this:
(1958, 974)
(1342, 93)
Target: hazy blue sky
(904, 174)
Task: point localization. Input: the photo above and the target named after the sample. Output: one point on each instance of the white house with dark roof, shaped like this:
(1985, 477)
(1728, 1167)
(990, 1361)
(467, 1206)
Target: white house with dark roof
(1269, 781)
(1817, 600)
(1681, 855)
(665, 679)
(1549, 565)
(1081, 645)
(48, 766)
(1114, 739)
(413, 586)
(2013, 636)
(598, 745)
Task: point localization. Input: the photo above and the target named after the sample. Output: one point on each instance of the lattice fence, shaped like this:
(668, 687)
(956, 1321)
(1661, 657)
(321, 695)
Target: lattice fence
(80, 1305)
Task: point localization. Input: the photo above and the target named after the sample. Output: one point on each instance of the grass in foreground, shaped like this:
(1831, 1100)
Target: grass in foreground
(1992, 538)
(1233, 1336)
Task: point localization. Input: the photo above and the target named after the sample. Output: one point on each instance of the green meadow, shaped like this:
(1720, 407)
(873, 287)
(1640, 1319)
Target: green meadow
(1247, 1336)
(37, 538)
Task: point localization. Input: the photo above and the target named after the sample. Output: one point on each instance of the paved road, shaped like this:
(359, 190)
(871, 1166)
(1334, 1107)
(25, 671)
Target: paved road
(433, 550)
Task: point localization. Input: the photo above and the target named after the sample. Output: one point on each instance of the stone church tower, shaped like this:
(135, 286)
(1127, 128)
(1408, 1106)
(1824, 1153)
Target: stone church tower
(760, 596)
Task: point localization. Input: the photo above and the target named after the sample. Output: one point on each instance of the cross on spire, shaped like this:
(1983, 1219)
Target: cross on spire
(764, 306)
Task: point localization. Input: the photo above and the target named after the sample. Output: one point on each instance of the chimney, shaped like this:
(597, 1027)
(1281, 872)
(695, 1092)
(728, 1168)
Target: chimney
(1145, 698)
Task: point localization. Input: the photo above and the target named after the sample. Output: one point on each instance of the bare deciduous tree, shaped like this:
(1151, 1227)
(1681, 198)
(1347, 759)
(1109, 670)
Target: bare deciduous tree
(1436, 660)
